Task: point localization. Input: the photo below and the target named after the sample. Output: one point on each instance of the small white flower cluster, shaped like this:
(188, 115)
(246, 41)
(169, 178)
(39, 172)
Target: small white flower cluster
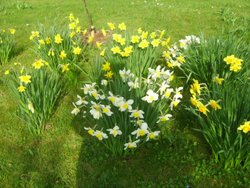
(184, 43)
(106, 107)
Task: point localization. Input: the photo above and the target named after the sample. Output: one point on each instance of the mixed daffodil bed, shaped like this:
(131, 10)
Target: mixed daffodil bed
(133, 86)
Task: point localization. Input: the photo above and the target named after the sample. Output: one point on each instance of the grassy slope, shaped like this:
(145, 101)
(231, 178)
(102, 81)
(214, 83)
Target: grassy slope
(64, 156)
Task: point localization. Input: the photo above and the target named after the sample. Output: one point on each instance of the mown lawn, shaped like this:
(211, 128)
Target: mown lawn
(65, 156)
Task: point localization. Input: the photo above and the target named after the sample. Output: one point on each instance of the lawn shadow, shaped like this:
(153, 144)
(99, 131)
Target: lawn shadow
(152, 165)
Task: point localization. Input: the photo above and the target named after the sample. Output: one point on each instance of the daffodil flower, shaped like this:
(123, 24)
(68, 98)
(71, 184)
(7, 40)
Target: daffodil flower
(152, 135)
(131, 145)
(141, 131)
(115, 131)
(100, 135)
(126, 105)
(151, 96)
(96, 110)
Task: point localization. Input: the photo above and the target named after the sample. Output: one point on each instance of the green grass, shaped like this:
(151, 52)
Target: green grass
(65, 156)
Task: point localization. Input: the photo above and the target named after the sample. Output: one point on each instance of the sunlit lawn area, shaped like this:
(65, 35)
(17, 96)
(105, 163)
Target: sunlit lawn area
(65, 155)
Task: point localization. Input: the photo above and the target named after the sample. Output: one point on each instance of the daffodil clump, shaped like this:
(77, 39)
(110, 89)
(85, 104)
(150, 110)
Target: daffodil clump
(130, 96)
(65, 49)
(202, 104)
(7, 44)
(219, 94)
(37, 91)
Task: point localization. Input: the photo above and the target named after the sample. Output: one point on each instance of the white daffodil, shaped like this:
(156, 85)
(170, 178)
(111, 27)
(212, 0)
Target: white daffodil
(166, 74)
(155, 73)
(168, 93)
(106, 110)
(31, 107)
(133, 84)
(174, 103)
(104, 82)
(88, 88)
(141, 123)
(100, 135)
(112, 98)
(76, 110)
(90, 130)
(152, 135)
(96, 95)
(80, 101)
(126, 105)
(164, 118)
(164, 85)
(178, 94)
(125, 74)
(96, 110)
(137, 114)
(151, 96)
(143, 130)
(115, 131)
(131, 145)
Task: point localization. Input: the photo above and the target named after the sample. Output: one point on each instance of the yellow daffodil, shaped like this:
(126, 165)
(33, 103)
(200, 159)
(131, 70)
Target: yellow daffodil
(106, 66)
(77, 50)
(121, 41)
(48, 40)
(218, 80)
(102, 53)
(195, 88)
(72, 25)
(165, 43)
(71, 17)
(65, 68)
(21, 88)
(34, 34)
(229, 59)
(111, 26)
(41, 42)
(7, 72)
(143, 44)
(12, 31)
(194, 101)
(234, 62)
(98, 45)
(78, 29)
(104, 32)
(90, 39)
(72, 34)
(51, 52)
(236, 66)
(155, 42)
(135, 39)
(116, 37)
(122, 26)
(116, 50)
(152, 35)
(58, 39)
(62, 54)
(162, 34)
(38, 64)
(109, 74)
(25, 79)
(180, 59)
(214, 104)
(166, 55)
(202, 108)
(139, 30)
(144, 35)
(245, 127)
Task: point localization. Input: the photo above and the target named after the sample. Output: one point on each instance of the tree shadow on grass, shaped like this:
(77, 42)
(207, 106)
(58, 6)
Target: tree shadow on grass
(157, 163)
